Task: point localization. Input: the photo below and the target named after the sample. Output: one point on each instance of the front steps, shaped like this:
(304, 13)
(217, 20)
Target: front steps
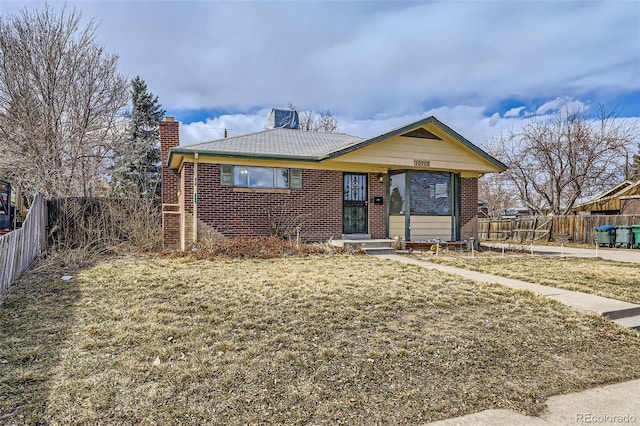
(372, 247)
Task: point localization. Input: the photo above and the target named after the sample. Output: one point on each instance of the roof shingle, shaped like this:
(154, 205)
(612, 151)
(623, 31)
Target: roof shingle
(278, 143)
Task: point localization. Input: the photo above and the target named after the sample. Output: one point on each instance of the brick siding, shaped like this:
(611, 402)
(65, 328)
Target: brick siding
(317, 206)
(169, 138)
(629, 205)
(468, 208)
(377, 212)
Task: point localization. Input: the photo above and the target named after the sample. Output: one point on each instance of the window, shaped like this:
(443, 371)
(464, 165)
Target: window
(397, 195)
(260, 177)
(430, 193)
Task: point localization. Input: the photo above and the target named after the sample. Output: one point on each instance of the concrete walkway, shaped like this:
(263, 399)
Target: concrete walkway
(614, 404)
(607, 405)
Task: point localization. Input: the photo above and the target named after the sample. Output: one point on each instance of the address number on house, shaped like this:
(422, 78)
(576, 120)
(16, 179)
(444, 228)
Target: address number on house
(421, 163)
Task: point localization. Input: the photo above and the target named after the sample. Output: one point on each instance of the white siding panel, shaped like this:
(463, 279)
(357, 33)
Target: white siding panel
(430, 227)
(396, 226)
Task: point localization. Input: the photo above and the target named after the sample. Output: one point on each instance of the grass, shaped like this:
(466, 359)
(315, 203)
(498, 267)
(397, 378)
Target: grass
(615, 280)
(337, 339)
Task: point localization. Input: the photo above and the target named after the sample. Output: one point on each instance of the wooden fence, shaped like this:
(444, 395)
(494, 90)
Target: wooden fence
(19, 248)
(578, 229)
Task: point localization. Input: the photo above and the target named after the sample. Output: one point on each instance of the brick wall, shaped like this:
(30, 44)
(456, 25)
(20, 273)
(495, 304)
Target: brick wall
(377, 212)
(317, 206)
(468, 208)
(629, 205)
(169, 138)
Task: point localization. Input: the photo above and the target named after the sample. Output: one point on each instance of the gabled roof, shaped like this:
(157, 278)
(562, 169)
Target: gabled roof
(293, 144)
(610, 200)
(411, 126)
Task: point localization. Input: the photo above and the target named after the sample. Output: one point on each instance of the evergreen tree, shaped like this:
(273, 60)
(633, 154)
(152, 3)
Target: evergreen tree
(137, 171)
(634, 172)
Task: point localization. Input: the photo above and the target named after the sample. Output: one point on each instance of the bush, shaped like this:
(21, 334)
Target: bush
(105, 224)
(257, 248)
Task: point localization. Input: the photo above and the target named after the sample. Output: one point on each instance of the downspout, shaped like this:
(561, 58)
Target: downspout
(195, 198)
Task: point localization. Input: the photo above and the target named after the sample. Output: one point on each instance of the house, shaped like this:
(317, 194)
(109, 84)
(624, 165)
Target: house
(623, 198)
(419, 182)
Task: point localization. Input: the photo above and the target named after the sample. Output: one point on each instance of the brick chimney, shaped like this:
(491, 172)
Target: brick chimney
(169, 138)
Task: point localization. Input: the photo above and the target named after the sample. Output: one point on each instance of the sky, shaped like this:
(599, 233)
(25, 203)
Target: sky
(478, 66)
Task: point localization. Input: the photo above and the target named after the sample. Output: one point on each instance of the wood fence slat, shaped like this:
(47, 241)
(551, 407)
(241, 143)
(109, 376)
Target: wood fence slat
(18, 249)
(578, 229)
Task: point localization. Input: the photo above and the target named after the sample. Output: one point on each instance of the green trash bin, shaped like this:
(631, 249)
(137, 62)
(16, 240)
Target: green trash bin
(606, 235)
(635, 229)
(623, 236)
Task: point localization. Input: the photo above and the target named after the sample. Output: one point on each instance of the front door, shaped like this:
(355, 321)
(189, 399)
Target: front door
(354, 210)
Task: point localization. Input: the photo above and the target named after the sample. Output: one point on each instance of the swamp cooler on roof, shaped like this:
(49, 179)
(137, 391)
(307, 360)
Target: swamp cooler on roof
(282, 119)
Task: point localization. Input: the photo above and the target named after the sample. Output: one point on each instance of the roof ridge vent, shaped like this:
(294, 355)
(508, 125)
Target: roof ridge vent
(282, 119)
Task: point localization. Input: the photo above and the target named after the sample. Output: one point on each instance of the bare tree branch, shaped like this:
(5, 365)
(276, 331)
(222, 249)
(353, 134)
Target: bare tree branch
(554, 161)
(311, 121)
(61, 100)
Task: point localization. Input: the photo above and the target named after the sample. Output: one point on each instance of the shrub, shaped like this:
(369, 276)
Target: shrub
(257, 248)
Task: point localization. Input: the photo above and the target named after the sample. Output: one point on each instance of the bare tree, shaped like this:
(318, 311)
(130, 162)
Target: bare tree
(311, 121)
(326, 122)
(554, 161)
(497, 193)
(61, 100)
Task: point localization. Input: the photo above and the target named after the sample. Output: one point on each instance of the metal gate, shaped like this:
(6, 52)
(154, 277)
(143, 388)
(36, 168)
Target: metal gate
(354, 210)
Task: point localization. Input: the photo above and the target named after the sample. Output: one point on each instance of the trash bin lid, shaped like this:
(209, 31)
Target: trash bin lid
(604, 227)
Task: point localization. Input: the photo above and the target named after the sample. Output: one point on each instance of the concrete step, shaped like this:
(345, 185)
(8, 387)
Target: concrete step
(362, 243)
(381, 246)
(368, 244)
(356, 236)
(378, 250)
(629, 322)
(622, 313)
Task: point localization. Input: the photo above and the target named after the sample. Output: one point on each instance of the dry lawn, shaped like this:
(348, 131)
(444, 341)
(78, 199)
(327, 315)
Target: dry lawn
(616, 280)
(302, 340)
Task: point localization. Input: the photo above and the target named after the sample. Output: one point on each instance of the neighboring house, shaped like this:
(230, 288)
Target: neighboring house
(623, 198)
(419, 182)
(517, 212)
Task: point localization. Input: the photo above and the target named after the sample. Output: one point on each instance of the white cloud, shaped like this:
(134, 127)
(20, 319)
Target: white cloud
(513, 112)
(495, 119)
(375, 65)
(469, 121)
(213, 128)
(561, 104)
(363, 58)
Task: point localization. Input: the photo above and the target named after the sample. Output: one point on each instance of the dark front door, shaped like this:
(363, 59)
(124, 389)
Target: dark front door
(354, 211)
